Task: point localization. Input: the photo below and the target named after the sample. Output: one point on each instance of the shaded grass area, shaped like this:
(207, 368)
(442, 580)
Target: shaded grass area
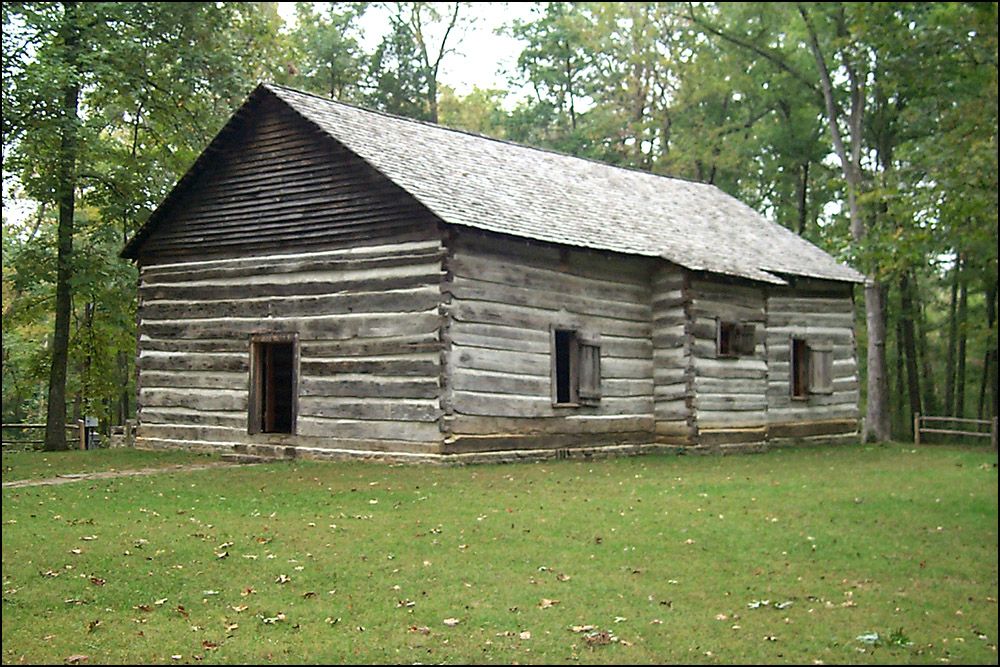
(785, 557)
(40, 465)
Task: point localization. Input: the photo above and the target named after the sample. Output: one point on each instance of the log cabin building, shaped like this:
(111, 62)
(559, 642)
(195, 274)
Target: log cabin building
(330, 281)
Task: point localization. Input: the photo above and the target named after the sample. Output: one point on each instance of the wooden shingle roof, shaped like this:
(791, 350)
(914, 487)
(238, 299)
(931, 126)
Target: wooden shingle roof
(499, 186)
(482, 183)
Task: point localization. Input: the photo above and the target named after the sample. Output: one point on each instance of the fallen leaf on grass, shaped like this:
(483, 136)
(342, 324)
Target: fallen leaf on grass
(525, 635)
(247, 591)
(76, 659)
(451, 622)
(97, 581)
(182, 611)
(563, 577)
(546, 603)
(93, 625)
(239, 608)
(599, 638)
(582, 628)
(160, 602)
(76, 552)
(271, 620)
(309, 594)
(221, 554)
(209, 646)
(282, 579)
(420, 629)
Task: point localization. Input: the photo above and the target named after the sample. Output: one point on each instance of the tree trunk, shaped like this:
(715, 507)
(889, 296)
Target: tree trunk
(877, 425)
(963, 309)
(898, 401)
(906, 317)
(930, 405)
(803, 189)
(989, 379)
(949, 373)
(55, 424)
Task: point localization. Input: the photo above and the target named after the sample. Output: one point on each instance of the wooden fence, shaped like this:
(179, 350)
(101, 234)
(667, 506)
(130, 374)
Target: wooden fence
(79, 428)
(919, 420)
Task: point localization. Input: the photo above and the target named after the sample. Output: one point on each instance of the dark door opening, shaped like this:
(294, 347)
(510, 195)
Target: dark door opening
(275, 384)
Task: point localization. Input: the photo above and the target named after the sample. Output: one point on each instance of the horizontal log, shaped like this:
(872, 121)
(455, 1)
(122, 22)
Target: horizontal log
(274, 444)
(598, 265)
(397, 301)
(197, 399)
(238, 345)
(318, 284)
(155, 415)
(780, 414)
(576, 423)
(804, 428)
(729, 402)
(509, 405)
(535, 318)
(404, 367)
(208, 379)
(361, 325)
(377, 409)
(361, 386)
(316, 262)
(391, 345)
(462, 444)
(408, 431)
(194, 361)
(556, 297)
(370, 251)
(521, 274)
(708, 385)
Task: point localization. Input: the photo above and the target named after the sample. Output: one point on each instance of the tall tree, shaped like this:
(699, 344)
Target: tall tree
(104, 104)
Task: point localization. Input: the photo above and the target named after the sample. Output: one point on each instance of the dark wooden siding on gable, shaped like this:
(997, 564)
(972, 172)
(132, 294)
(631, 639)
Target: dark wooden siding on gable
(280, 185)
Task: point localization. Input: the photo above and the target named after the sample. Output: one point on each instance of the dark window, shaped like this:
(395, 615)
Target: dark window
(273, 386)
(811, 368)
(565, 366)
(735, 339)
(727, 338)
(800, 368)
(576, 368)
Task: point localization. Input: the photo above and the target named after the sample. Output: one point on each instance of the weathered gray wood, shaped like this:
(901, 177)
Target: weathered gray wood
(409, 431)
(398, 301)
(489, 425)
(391, 345)
(462, 444)
(476, 290)
(412, 367)
(373, 409)
(369, 387)
(195, 379)
(508, 405)
(197, 399)
(193, 361)
(338, 327)
(539, 319)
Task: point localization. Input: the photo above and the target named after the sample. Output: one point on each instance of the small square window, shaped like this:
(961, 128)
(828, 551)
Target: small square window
(811, 368)
(735, 339)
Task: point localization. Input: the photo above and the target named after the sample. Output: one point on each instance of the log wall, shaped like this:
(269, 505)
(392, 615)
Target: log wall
(814, 310)
(673, 368)
(368, 326)
(503, 298)
(730, 393)
(278, 184)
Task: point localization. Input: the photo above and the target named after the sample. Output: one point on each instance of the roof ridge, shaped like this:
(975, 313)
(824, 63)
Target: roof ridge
(508, 142)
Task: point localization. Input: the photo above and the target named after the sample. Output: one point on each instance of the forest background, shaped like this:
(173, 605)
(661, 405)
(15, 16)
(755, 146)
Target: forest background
(868, 128)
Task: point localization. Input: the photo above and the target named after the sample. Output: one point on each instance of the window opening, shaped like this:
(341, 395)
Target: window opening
(565, 352)
(800, 368)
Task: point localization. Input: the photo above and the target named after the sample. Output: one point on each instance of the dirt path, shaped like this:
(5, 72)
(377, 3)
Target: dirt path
(111, 474)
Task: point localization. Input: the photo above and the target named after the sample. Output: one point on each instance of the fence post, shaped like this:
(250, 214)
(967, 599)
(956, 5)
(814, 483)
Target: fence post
(82, 428)
(916, 428)
(993, 433)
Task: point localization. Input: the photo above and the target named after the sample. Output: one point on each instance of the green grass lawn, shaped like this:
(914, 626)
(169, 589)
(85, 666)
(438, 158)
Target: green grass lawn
(785, 557)
(38, 465)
